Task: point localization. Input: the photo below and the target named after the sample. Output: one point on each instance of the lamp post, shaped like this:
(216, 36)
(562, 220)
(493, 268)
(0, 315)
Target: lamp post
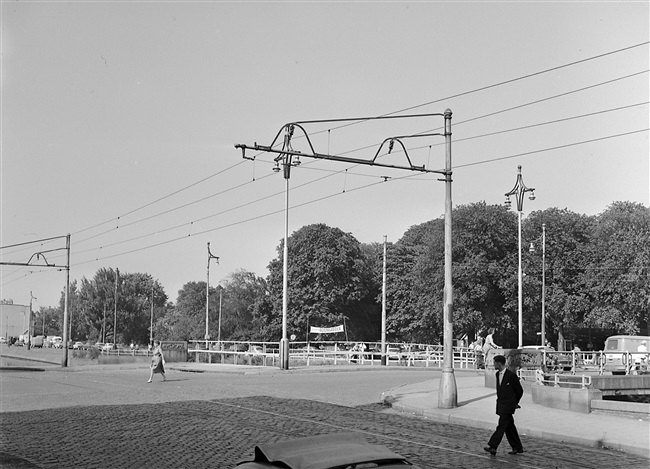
(117, 275)
(151, 322)
(287, 162)
(383, 310)
(31, 319)
(532, 249)
(219, 333)
(519, 191)
(207, 296)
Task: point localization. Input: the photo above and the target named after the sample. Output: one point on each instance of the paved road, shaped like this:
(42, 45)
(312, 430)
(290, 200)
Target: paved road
(112, 418)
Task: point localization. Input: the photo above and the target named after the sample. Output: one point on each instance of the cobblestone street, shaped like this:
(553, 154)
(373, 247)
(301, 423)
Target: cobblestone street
(219, 433)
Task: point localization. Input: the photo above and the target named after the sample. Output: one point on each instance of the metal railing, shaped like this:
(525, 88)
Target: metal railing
(410, 355)
(327, 353)
(555, 379)
(627, 363)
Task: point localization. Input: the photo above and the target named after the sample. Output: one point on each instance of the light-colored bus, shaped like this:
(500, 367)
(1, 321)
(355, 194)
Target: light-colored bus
(626, 352)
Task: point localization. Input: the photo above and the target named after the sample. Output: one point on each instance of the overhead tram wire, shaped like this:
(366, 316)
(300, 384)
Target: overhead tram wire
(159, 199)
(319, 199)
(135, 222)
(232, 224)
(408, 109)
(339, 171)
(510, 109)
(559, 147)
(494, 85)
(538, 101)
(501, 83)
(539, 124)
(198, 220)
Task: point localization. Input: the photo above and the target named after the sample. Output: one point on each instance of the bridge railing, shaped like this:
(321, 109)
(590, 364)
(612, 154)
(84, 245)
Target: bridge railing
(329, 353)
(554, 379)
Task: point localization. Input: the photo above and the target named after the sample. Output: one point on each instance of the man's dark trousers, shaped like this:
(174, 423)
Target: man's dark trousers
(509, 393)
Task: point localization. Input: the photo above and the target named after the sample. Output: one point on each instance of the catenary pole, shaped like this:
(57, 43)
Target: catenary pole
(383, 310)
(447, 391)
(64, 360)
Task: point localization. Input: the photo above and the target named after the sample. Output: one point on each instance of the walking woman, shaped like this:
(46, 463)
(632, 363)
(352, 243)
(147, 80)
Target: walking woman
(157, 362)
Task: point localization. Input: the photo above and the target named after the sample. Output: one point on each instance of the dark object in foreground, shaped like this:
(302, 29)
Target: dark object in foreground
(336, 451)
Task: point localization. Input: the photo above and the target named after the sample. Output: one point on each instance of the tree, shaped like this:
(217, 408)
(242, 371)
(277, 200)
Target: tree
(567, 235)
(187, 320)
(483, 240)
(617, 280)
(328, 283)
(242, 290)
(415, 282)
(47, 321)
(93, 306)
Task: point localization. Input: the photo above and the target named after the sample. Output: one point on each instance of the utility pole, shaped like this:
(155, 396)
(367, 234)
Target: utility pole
(151, 325)
(207, 297)
(448, 392)
(64, 359)
(219, 332)
(383, 310)
(117, 274)
(31, 320)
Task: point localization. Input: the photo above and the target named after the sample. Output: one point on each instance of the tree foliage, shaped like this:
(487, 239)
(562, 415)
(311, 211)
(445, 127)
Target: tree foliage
(92, 307)
(328, 282)
(617, 281)
(596, 276)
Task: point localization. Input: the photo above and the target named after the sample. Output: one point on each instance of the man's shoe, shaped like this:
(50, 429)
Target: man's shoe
(516, 451)
(489, 449)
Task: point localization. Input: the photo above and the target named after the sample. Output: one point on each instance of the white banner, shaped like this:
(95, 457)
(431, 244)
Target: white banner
(325, 330)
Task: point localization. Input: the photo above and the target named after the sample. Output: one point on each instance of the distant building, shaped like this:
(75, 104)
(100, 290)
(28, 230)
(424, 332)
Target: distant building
(14, 319)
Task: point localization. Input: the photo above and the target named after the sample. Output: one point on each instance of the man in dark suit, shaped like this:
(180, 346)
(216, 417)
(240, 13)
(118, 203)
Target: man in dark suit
(509, 392)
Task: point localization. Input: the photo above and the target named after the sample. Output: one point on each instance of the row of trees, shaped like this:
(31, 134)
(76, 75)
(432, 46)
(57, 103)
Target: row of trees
(597, 283)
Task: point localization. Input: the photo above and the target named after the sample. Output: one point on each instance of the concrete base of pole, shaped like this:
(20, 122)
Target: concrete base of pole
(383, 360)
(284, 354)
(447, 392)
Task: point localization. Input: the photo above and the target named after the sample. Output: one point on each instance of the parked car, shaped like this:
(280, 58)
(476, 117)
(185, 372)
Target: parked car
(338, 450)
(622, 353)
(57, 342)
(78, 346)
(3, 340)
(108, 346)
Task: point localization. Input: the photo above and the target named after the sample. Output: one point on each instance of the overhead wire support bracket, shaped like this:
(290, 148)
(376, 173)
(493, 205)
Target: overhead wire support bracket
(288, 129)
(342, 159)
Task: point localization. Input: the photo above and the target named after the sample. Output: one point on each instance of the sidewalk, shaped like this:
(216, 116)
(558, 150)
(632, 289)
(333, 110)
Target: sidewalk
(477, 406)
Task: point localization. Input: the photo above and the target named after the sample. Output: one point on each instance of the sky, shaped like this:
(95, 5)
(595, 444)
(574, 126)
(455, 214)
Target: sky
(119, 122)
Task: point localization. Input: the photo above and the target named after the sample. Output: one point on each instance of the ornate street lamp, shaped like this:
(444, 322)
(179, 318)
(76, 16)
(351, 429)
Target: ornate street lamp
(519, 191)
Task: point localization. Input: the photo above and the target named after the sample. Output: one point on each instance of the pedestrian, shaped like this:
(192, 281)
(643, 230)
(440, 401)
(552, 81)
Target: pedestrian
(157, 362)
(509, 392)
(489, 342)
